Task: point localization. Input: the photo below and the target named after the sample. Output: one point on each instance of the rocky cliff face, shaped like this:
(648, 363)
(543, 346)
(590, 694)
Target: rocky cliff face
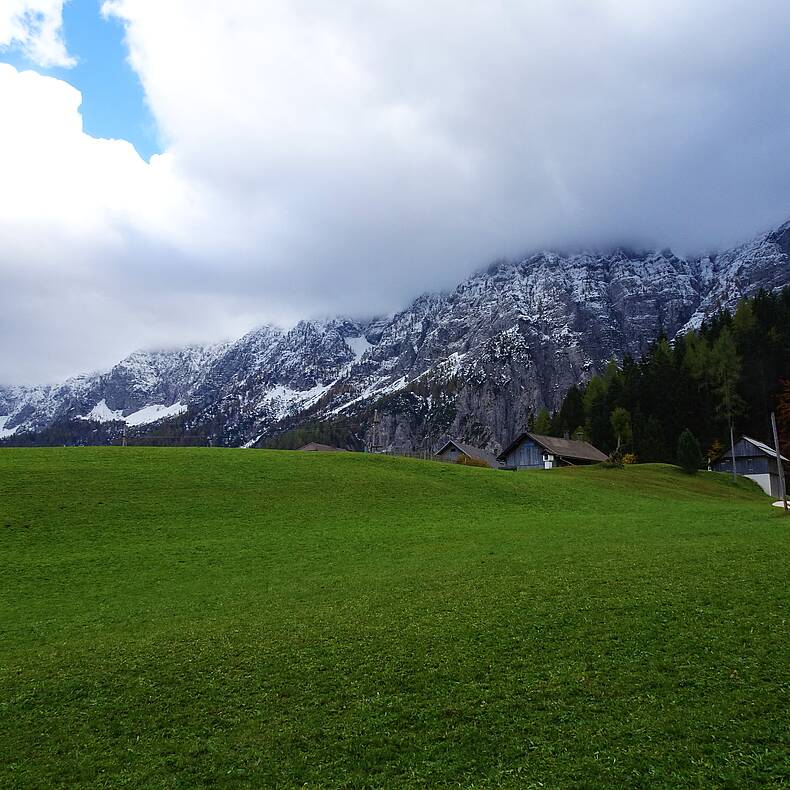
(144, 385)
(471, 363)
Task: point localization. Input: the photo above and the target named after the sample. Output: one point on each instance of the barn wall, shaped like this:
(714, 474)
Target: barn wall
(526, 456)
(747, 465)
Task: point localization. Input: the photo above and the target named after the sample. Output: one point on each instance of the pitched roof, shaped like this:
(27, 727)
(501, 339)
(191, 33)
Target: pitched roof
(472, 452)
(764, 448)
(563, 448)
(317, 447)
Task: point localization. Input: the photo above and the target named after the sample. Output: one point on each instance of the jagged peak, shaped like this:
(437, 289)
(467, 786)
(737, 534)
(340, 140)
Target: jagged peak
(537, 323)
(781, 237)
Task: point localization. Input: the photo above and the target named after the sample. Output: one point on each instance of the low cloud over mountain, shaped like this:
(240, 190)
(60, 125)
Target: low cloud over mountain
(322, 158)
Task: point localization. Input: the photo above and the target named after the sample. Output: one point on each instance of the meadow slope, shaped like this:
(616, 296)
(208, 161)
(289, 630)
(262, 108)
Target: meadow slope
(231, 618)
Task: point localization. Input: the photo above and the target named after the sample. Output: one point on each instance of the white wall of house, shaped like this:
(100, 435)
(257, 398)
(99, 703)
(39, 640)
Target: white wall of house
(768, 483)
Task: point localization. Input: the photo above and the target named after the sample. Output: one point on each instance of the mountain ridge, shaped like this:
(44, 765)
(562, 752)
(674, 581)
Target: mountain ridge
(473, 361)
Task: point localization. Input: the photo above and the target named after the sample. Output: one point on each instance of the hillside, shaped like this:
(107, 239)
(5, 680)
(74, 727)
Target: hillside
(473, 362)
(179, 618)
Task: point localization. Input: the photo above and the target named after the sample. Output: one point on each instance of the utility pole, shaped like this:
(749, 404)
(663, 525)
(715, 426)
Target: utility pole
(782, 489)
(375, 440)
(732, 450)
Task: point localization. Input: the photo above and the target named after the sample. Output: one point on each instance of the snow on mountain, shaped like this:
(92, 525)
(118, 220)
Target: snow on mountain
(6, 432)
(144, 387)
(472, 362)
(101, 412)
(149, 414)
(759, 264)
(359, 346)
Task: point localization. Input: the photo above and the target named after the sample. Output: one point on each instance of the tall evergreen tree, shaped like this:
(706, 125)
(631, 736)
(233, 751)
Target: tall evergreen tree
(783, 413)
(689, 455)
(542, 424)
(571, 414)
(730, 370)
(726, 365)
(596, 413)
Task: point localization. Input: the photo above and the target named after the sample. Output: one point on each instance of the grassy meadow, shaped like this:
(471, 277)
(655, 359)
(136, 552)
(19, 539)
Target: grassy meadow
(174, 618)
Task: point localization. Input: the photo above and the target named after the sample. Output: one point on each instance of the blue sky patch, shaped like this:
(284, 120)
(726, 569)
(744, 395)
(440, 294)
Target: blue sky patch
(113, 102)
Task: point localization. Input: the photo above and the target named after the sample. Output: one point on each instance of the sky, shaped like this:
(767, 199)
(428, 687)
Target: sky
(182, 171)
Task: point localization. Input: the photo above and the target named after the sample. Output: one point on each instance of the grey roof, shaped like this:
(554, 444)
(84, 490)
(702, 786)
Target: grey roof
(472, 452)
(764, 448)
(563, 448)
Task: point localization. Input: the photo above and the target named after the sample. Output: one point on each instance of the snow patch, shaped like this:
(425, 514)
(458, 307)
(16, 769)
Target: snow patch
(6, 432)
(455, 363)
(359, 346)
(285, 400)
(154, 413)
(101, 412)
(376, 389)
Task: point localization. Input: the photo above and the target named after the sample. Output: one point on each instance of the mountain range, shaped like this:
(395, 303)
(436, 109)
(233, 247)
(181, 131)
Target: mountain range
(473, 362)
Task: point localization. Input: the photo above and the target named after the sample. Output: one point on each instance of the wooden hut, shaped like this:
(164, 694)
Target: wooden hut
(317, 447)
(453, 450)
(754, 460)
(533, 451)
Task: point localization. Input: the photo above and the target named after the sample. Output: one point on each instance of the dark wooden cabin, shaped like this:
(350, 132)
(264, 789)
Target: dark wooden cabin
(533, 451)
(452, 450)
(755, 460)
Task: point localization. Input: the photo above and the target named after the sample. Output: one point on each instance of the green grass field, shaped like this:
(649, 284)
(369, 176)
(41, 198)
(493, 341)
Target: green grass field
(240, 618)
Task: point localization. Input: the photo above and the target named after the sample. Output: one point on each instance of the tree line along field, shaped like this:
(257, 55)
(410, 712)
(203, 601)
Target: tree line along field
(175, 618)
(733, 370)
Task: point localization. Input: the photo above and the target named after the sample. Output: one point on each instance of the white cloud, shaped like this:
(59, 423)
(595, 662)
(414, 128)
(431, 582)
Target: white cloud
(327, 157)
(35, 26)
(86, 226)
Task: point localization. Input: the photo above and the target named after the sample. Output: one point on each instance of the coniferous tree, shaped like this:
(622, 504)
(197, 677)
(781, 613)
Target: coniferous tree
(689, 455)
(596, 412)
(730, 369)
(783, 413)
(726, 371)
(571, 414)
(542, 424)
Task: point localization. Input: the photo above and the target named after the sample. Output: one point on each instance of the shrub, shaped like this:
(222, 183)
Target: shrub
(715, 451)
(689, 454)
(629, 458)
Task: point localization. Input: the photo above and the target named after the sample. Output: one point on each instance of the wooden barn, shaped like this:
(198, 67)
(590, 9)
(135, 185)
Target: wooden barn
(452, 450)
(754, 460)
(533, 451)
